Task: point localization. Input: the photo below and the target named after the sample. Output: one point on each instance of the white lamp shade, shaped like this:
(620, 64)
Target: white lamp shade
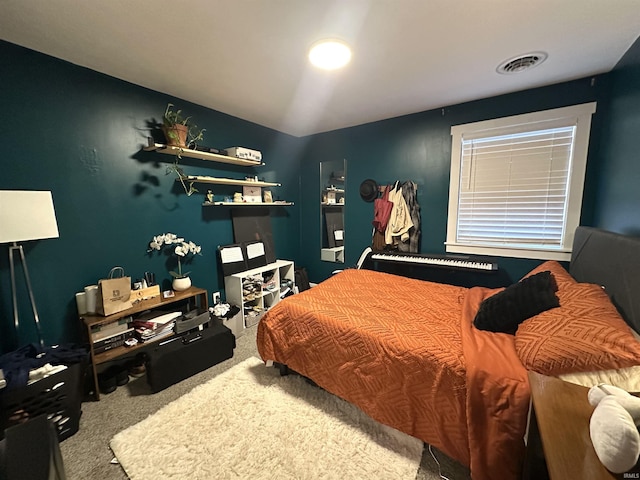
(26, 215)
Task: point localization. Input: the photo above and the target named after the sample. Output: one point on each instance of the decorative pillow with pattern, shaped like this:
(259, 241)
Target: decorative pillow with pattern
(561, 276)
(586, 333)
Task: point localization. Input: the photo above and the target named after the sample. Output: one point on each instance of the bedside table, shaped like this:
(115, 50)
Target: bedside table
(559, 424)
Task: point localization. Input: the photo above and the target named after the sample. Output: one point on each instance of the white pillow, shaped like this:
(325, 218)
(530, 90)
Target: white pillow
(626, 378)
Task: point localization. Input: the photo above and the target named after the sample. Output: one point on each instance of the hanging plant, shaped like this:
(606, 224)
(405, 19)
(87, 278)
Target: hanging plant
(180, 132)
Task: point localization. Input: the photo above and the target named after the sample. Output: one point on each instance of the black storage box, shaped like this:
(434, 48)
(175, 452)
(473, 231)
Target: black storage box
(177, 358)
(58, 396)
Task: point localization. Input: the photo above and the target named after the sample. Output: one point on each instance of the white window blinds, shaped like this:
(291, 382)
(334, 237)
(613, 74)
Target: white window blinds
(516, 183)
(513, 188)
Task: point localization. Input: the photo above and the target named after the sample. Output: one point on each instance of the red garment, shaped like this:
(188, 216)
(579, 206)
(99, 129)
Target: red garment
(382, 211)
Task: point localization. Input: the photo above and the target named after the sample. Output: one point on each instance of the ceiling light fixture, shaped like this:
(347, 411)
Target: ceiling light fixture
(330, 54)
(521, 63)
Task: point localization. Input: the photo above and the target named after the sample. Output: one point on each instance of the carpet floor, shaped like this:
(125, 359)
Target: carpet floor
(87, 455)
(284, 428)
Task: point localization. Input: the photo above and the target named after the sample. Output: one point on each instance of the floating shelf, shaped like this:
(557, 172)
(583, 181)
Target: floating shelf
(248, 204)
(332, 204)
(227, 181)
(187, 152)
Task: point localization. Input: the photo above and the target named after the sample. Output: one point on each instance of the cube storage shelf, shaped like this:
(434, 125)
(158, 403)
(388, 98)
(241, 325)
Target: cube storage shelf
(258, 289)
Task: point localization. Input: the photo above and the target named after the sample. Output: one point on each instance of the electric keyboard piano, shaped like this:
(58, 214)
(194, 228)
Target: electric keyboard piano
(450, 261)
(461, 270)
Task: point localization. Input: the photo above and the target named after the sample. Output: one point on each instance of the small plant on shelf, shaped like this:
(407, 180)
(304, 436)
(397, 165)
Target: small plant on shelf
(180, 132)
(175, 168)
(178, 129)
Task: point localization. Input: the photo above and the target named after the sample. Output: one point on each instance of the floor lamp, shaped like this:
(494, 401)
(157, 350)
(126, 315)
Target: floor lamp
(25, 215)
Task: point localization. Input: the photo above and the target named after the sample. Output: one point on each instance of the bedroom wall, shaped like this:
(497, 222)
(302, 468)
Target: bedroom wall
(618, 197)
(418, 147)
(79, 134)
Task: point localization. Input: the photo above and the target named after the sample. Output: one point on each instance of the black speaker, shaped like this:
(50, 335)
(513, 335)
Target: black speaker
(179, 357)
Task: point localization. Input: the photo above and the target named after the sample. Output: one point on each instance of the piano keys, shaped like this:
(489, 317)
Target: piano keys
(449, 261)
(461, 270)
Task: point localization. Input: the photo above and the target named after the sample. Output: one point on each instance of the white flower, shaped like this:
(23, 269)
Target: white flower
(182, 249)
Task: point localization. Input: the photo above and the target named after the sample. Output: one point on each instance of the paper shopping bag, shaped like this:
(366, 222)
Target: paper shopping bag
(114, 293)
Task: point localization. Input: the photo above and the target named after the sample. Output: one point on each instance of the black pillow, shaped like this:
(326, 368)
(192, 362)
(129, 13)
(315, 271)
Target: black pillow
(504, 311)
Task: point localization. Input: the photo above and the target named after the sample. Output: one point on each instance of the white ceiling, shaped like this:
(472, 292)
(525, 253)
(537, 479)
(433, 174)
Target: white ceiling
(247, 58)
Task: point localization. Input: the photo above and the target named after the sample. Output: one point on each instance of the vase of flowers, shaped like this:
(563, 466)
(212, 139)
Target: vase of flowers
(184, 252)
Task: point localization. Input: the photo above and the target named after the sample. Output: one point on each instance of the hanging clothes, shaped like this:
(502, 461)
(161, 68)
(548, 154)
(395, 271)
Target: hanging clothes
(400, 219)
(382, 211)
(377, 237)
(410, 193)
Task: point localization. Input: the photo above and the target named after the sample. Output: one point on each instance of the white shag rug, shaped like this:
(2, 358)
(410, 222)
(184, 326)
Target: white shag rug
(251, 423)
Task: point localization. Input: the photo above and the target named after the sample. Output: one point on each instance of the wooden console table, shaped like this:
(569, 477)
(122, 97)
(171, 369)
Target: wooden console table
(198, 295)
(559, 421)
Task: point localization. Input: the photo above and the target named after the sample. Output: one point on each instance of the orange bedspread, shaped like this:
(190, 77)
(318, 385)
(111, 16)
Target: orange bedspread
(399, 349)
(497, 396)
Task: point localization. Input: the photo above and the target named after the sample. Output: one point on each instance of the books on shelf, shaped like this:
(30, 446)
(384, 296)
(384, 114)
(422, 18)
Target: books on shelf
(154, 325)
(148, 335)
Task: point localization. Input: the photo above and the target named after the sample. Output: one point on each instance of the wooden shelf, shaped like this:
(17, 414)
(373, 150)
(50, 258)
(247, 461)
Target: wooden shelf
(187, 152)
(248, 204)
(141, 306)
(214, 157)
(228, 181)
(199, 295)
(324, 204)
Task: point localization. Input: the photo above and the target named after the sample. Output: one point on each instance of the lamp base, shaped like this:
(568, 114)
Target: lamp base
(13, 248)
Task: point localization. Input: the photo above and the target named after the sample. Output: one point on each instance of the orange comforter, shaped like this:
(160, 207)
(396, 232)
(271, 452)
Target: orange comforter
(406, 353)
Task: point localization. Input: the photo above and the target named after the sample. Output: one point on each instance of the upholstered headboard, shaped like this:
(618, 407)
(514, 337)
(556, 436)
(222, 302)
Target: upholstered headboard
(613, 261)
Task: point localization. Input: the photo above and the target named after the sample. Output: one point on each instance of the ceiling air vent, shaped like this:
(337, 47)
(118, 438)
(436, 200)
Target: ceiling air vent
(521, 63)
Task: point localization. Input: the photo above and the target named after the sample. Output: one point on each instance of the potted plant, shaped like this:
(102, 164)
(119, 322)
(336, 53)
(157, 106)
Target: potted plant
(178, 130)
(183, 250)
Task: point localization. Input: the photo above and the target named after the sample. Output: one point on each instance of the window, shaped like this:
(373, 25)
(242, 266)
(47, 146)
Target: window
(516, 184)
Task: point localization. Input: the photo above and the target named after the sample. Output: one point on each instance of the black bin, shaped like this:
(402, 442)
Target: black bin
(58, 396)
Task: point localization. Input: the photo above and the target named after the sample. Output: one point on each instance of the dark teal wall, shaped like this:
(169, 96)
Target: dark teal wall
(79, 134)
(418, 147)
(618, 200)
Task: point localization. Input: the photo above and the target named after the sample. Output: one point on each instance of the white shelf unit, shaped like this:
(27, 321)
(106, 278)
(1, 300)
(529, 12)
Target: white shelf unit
(334, 254)
(267, 292)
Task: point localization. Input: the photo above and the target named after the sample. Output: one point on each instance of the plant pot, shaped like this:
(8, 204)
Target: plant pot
(176, 135)
(181, 284)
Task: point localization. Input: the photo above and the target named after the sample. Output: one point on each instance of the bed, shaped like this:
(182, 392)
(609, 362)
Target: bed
(408, 354)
